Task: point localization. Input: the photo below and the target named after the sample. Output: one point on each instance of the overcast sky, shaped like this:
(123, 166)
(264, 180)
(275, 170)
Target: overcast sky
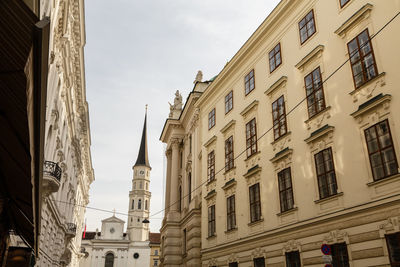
(141, 52)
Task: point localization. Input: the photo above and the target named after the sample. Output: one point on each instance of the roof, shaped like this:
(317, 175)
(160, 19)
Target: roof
(154, 238)
(113, 219)
(142, 159)
(89, 235)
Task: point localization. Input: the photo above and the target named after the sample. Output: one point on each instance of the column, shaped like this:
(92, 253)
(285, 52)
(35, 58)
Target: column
(168, 181)
(174, 194)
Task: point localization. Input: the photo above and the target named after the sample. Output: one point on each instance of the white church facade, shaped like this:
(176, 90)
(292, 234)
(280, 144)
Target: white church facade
(112, 247)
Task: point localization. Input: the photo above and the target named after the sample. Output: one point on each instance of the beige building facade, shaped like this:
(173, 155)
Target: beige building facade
(296, 145)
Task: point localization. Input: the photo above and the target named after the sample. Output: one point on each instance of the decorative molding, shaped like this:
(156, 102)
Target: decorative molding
(336, 236)
(258, 253)
(374, 103)
(233, 258)
(361, 14)
(291, 245)
(391, 225)
(367, 89)
(319, 118)
(281, 82)
(319, 133)
(287, 152)
(210, 141)
(228, 126)
(316, 52)
(250, 107)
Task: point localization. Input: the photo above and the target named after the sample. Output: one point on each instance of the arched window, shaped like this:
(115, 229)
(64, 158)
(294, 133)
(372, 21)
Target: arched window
(109, 260)
(133, 203)
(140, 185)
(145, 205)
(147, 186)
(139, 205)
(190, 186)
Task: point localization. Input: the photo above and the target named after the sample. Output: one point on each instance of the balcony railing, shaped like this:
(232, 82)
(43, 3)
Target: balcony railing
(52, 169)
(71, 229)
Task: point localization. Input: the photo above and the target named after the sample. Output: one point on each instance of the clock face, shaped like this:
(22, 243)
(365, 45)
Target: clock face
(141, 172)
(112, 230)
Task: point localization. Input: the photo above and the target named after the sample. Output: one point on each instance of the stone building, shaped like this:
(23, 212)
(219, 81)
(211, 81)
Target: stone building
(68, 170)
(296, 145)
(112, 247)
(154, 249)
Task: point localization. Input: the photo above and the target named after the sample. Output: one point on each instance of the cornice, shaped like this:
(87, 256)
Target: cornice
(316, 52)
(349, 23)
(276, 85)
(250, 107)
(228, 126)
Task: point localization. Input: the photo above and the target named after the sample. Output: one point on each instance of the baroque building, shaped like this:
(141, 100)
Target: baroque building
(112, 247)
(295, 145)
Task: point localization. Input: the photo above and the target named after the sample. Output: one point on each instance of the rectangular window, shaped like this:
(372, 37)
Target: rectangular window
(314, 92)
(381, 152)
(325, 173)
(229, 102)
(279, 117)
(362, 59)
(211, 119)
(233, 264)
(293, 259)
(275, 58)
(211, 220)
(393, 244)
(155, 262)
(343, 2)
(255, 205)
(229, 160)
(184, 241)
(230, 213)
(259, 262)
(249, 84)
(211, 166)
(190, 187)
(307, 27)
(251, 137)
(340, 258)
(285, 189)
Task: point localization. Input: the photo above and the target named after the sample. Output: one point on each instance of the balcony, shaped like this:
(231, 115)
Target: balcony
(51, 177)
(71, 230)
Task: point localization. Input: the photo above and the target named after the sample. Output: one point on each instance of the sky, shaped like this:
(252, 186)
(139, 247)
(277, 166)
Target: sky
(141, 52)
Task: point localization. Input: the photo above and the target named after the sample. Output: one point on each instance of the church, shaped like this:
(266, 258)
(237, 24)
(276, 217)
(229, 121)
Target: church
(112, 247)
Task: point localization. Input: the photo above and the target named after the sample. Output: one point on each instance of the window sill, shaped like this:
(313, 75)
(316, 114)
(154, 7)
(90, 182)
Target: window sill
(256, 222)
(384, 180)
(288, 211)
(228, 171)
(318, 114)
(211, 181)
(231, 230)
(328, 198)
(211, 237)
(252, 155)
(281, 138)
(376, 78)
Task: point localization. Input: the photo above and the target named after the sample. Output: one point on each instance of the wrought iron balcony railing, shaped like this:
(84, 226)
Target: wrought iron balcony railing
(71, 229)
(52, 169)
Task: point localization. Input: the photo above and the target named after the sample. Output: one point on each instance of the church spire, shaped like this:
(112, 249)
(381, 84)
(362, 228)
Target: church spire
(142, 159)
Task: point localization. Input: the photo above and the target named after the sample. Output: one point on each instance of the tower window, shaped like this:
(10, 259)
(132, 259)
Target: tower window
(133, 203)
(139, 206)
(140, 185)
(147, 186)
(145, 205)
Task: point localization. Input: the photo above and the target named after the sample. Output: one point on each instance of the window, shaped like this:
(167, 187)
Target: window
(325, 173)
(307, 27)
(251, 138)
(211, 166)
(233, 264)
(340, 257)
(259, 262)
(180, 160)
(190, 143)
(314, 92)
(184, 241)
(109, 261)
(230, 213)
(362, 59)
(275, 58)
(133, 203)
(155, 263)
(229, 160)
(381, 152)
(180, 199)
(190, 187)
(229, 102)
(285, 189)
(156, 252)
(211, 220)
(279, 117)
(145, 205)
(293, 259)
(255, 206)
(211, 119)
(140, 185)
(393, 244)
(249, 84)
(343, 2)
(139, 206)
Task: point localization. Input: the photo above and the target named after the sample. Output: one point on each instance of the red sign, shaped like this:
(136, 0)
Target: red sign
(328, 265)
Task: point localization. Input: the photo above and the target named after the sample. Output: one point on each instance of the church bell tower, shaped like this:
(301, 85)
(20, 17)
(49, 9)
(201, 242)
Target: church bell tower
(139, 196)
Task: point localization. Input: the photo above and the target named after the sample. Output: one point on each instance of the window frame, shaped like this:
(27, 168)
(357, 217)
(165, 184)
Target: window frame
(325, 173)
(255, 204)
(342, 5)
(283, 197)
(189, 187)
(230, 213)
(293, 255)
(211, 119)
(229, 102)
(396, 236)
(361, 59)
(249, 80)
(229, 154)
(280, 118)
(335, 258)
(273, 57)
(314, 92)
(259, 262)
(305, 25)
(211, 221)
(251, 139)
(381, 149)
(211, 166)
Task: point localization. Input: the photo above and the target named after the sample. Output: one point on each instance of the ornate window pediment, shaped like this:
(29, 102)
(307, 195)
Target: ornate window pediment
(360, 15)
(210, 141)
(252, 106)
(391, 225)
(291, 245)
(280, 83)
(378, 104)
(315, 53)
(336, 236)
(228, 126)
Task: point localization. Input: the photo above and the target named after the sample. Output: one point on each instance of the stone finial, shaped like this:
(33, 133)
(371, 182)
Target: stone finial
(176, 108)
(199, 77)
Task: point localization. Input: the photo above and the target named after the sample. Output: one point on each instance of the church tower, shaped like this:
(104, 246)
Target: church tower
(139, 197)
